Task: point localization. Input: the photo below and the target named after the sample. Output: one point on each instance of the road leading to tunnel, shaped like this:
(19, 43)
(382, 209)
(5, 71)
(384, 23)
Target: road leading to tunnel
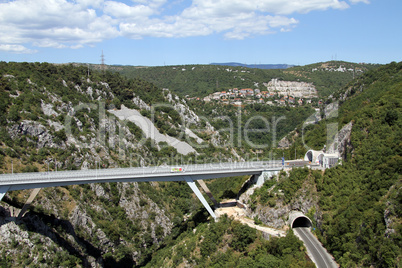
(320, 256)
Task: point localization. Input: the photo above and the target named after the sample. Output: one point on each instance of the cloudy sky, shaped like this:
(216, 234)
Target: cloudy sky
(169, 32)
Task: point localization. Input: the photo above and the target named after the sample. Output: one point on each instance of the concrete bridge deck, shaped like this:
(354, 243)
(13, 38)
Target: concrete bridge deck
(19, 181)
(187, 173)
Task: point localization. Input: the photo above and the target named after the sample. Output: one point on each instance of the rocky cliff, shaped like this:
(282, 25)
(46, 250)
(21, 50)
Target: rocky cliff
(292, 88)
(74, 225)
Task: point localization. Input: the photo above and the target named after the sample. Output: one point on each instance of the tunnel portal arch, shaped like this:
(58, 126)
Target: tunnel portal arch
(309, 156)
(298, 219)
(313, 156)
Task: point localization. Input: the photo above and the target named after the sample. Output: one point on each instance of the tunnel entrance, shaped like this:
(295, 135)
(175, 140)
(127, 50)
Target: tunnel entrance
(301, 221)
(310, 156)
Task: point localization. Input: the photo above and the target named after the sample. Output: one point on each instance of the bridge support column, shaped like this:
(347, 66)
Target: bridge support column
(34, 193)
(208, 192)
(197, 192)
(265, 175)
(3, 191)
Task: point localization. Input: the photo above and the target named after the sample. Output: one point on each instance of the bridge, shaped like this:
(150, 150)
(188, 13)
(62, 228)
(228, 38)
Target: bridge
(262, 170)
(188, 173)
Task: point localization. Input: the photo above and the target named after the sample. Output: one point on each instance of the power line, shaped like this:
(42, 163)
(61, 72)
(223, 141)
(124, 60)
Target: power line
(103, 62)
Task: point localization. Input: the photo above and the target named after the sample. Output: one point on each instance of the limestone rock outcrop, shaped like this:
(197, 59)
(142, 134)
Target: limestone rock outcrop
(292, 88)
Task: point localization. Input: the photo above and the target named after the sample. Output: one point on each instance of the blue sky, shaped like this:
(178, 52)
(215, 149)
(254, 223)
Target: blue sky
(163, 32)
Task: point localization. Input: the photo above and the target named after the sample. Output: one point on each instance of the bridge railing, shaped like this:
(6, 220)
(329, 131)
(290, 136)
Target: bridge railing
(136, 171)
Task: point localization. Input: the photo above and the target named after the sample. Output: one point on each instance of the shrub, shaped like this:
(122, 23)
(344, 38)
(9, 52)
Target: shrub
(243, 235)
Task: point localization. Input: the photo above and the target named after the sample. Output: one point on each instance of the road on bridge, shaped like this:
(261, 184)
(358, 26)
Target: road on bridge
(20, 181)
(320, 256)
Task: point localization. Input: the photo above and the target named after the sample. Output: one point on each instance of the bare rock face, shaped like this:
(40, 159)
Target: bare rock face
(276, 216)
(47, 109)
(80, 219)
(288, 140)
(331, 110)
(292, 88)
(35, 130)
(99, 190)
(139, 206)
(27, 127)
(141, 104)
(273, 217)
(342, 141)
(284, 143)
(391, 217)
(388, 219)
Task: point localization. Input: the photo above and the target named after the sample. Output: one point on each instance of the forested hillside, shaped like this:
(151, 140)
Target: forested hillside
(359, 202)
(228, 243)
(201, 80)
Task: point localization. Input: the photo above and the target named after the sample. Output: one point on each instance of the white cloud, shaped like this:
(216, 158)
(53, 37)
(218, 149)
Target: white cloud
(236, 19)
(287, 7)
(121, 10)
(90, 3)
(359, 1)
(77, 23)
(19, 49)
(55, 23)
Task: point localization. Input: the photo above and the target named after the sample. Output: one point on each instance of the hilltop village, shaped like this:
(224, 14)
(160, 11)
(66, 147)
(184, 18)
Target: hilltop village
(275, 92)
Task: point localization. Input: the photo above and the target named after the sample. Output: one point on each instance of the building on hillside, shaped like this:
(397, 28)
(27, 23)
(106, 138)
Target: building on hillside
(330, 160)
(291, 100)
(237, 103)
(216, 96)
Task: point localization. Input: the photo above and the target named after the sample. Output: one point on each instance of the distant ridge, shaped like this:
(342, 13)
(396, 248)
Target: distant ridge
(257, 66)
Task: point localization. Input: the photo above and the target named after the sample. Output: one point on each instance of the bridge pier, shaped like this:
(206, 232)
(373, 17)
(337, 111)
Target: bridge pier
(197, 192)
(34, 193)
(264, 176)
(208, 192)
(3, 191)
